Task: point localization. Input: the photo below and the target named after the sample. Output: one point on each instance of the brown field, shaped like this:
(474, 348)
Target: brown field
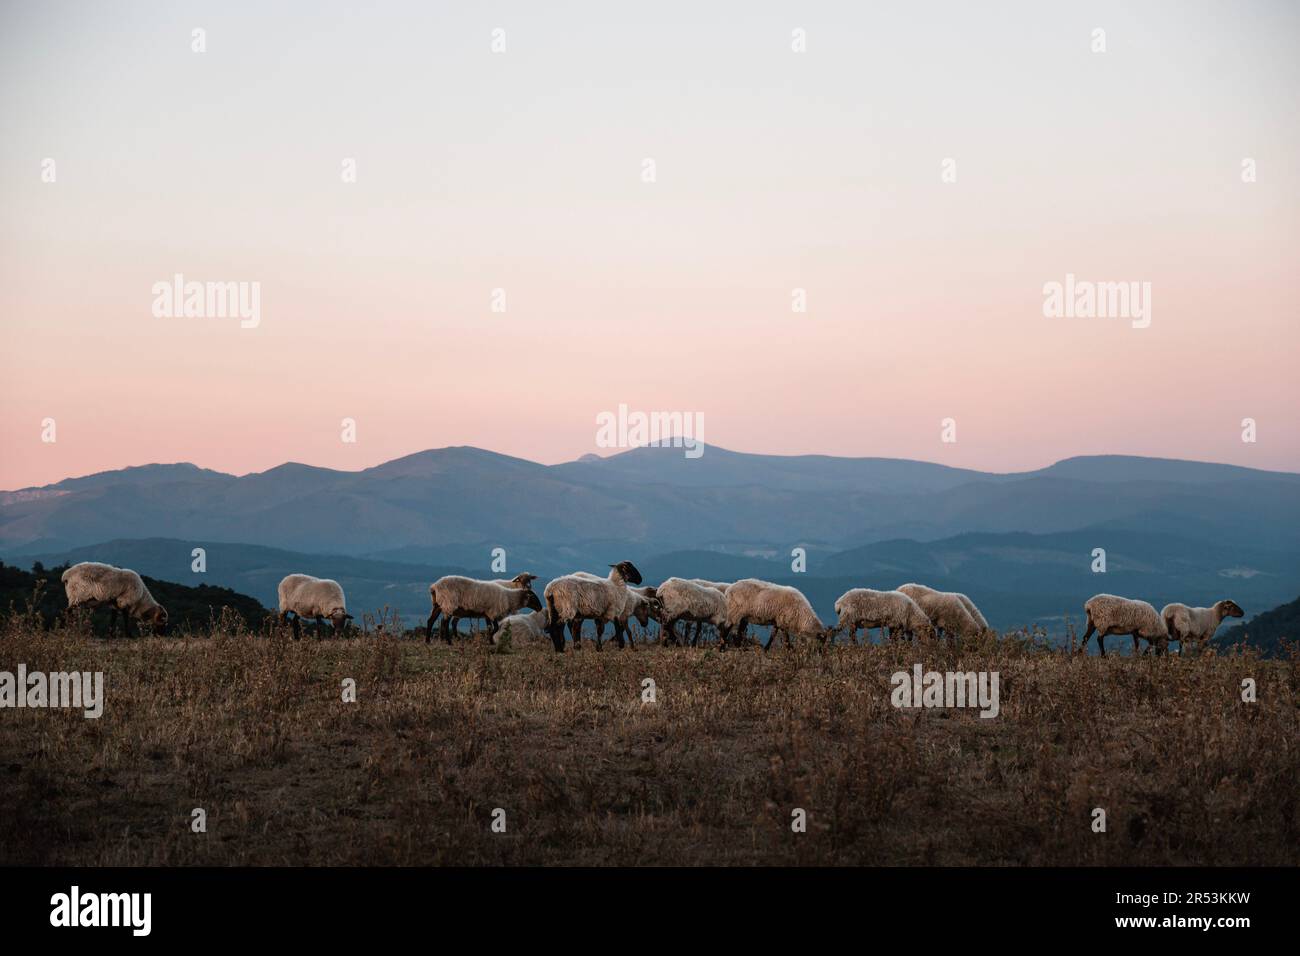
(253, 730)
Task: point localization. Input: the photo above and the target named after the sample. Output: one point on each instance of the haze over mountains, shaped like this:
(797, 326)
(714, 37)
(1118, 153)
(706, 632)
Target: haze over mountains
(1020, 543)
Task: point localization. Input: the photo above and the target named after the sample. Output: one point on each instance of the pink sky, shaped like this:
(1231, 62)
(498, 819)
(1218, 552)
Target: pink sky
(522, 171)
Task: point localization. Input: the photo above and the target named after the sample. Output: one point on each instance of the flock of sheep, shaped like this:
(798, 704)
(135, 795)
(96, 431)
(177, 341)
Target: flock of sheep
(912, 610)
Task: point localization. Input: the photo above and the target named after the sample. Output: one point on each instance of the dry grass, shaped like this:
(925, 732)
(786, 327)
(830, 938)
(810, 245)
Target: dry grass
(253, 730)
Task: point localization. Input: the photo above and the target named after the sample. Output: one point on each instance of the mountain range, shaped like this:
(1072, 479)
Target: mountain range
(1021, 544)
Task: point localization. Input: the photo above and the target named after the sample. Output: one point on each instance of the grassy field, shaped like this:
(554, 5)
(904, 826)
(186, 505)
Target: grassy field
(254, 731)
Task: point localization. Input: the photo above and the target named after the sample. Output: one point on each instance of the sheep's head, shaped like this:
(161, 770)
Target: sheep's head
(523, 580)
(531, 600)
(158, 619)
(339, 618)
(925, 630)
(1231, 609)
(650, 607)
(627, 570)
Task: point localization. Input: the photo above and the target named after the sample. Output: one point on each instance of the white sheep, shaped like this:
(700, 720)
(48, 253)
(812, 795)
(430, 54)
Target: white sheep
(720, 586)
(914, 589)
(574, 598)
(867, 608)
(1108, 614)
(518, 581)
(945, 609)
(92, 584)
(1196, 625)
(456, 596)
(305, 596)
(523, 628)
(687, 599)
(782, 608)
(640, 603)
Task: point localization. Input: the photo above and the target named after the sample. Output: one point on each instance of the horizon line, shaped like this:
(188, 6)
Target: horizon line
(591, 457)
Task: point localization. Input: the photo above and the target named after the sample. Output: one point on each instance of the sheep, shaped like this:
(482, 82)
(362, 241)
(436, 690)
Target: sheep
(720, 586)
(571, 599)
(93, 584)
(863, 607)
(682, 599)
(914, 589)
(1108, 614)
(305, 596)
(945, 609)
(523, 628)
(518, 581)
(1197, 624)
(456, 596)
(782, 608)
(639, 603)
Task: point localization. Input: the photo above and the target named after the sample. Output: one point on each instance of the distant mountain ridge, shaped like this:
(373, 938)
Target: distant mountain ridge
(1025, 539)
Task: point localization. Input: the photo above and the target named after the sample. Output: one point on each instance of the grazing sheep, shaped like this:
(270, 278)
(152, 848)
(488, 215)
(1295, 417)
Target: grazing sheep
(640, 603)
(945, 609)
(863, 607)
(305, 596)
(1108, 614)
(1197, 624)
(456, 596)
(92, 584)
(720, 586)
(688, 600)
(523, 628)
(913, 590)
(782, 608)
(573, 598)
(518, 581)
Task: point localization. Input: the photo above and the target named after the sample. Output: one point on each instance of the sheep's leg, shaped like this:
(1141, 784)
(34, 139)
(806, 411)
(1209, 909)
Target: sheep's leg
(668, 632)
(126, 624)
(1083, 647)
(556, 630)
(1135, 645)
(600, 631)
(770, 638)
(428, 627)
(575, 632)
(1101, 642)
(741, 628)
(297, 629)
(853, 635)
(112, 621)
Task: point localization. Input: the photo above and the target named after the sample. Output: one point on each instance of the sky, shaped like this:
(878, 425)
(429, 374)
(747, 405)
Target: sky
(921, 171)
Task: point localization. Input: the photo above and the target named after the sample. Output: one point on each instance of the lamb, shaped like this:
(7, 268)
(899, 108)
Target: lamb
(945, 609)
(863, 607)
(305, 596)
(784, 609)
(689, 600)
(456, 596)
(573, 598)
(1108, 614)
(93, 584)
(914, 589)
(518, 581)
(1197, 624)
(523, 628)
